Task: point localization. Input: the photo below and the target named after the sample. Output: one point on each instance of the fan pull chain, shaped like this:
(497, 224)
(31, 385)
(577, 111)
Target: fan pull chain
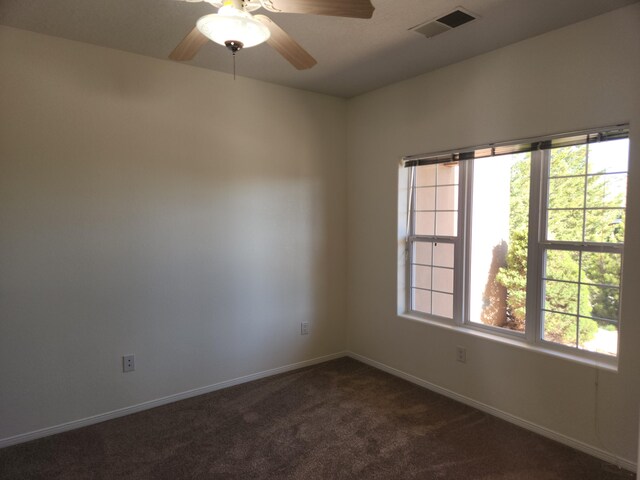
(233, 46)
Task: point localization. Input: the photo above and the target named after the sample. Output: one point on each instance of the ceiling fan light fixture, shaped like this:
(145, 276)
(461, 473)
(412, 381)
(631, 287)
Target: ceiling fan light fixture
(232, 24)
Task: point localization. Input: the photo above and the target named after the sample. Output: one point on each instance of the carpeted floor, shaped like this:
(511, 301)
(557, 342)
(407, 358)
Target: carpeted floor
(338, 420)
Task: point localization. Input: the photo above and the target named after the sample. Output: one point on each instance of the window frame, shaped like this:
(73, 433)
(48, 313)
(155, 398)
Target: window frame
(545, 244)
(533, 293)
(538, 244)
(457, 241)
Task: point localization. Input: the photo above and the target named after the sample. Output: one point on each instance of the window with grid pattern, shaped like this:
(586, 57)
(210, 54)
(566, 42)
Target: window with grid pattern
(434, 226)
(528, 245)
(586, 190)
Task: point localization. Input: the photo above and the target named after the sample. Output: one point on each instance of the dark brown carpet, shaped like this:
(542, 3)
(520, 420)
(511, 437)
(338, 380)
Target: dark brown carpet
(338, 420)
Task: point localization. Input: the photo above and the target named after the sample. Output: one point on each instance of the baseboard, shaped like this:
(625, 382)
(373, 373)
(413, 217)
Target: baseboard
(545, 432)
(83, 422)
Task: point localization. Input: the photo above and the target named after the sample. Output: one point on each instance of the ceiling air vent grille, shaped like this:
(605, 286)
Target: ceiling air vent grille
(445, 23)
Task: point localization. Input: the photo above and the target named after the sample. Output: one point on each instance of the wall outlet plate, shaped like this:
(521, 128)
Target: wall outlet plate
(128, 363)
(304, 328)
(461, 354)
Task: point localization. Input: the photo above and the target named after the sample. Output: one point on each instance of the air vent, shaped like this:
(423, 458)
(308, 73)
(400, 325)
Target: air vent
(444, 23)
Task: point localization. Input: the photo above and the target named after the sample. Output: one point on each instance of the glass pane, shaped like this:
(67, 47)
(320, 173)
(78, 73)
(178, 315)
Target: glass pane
(560, 328)
(422, 253)
(605, 225)
(601, 337)
(562, 297)
(568, 161)
(443, 254)
(565, 225)
(425, 198)
(447, 198)
(425, 223)
(447, 174)
(421, 277)
(610, 156)
(566, 192)
(425, 175)
(607, 190)
(601, 268)
(562, 265)
(421, 300)
(443, 280)
(499, 241)
(447, 224)
(443, 304)
(604, 302)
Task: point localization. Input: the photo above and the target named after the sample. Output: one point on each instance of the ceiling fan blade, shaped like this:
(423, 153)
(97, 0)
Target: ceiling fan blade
(286, 46)
(335, 8)
(189, 46)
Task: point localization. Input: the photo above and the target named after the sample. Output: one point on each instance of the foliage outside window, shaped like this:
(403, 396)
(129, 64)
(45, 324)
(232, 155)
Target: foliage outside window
(540, 250)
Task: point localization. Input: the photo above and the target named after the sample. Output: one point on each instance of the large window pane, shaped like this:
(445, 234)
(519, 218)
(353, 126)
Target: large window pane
(499, 233)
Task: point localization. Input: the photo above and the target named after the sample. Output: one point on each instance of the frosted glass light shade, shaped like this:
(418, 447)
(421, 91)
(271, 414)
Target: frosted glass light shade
(231, 24)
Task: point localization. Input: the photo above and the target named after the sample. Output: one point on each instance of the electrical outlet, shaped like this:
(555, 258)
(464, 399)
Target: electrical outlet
(461, 354)
(304, 328)
(128, 363)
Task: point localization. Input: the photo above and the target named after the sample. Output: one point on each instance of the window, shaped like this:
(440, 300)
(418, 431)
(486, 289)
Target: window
(434, 230)
(523, 239)
(583, 245)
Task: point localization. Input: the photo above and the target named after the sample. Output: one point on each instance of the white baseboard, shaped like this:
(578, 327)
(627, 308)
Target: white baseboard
(83, 422)
(545, 432)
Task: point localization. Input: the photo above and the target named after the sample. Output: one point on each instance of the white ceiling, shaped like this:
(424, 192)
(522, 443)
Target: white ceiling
(354, 55)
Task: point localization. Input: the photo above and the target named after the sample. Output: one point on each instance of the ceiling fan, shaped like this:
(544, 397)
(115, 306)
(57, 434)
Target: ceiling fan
(235, 27)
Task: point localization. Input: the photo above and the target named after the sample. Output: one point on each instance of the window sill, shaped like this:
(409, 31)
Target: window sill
(611, 366)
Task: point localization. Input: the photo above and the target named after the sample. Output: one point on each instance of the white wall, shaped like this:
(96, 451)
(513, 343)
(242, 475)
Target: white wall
(152, 208)
(585, 75)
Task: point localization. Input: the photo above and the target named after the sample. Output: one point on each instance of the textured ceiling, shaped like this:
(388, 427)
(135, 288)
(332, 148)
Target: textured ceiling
(354, 55)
